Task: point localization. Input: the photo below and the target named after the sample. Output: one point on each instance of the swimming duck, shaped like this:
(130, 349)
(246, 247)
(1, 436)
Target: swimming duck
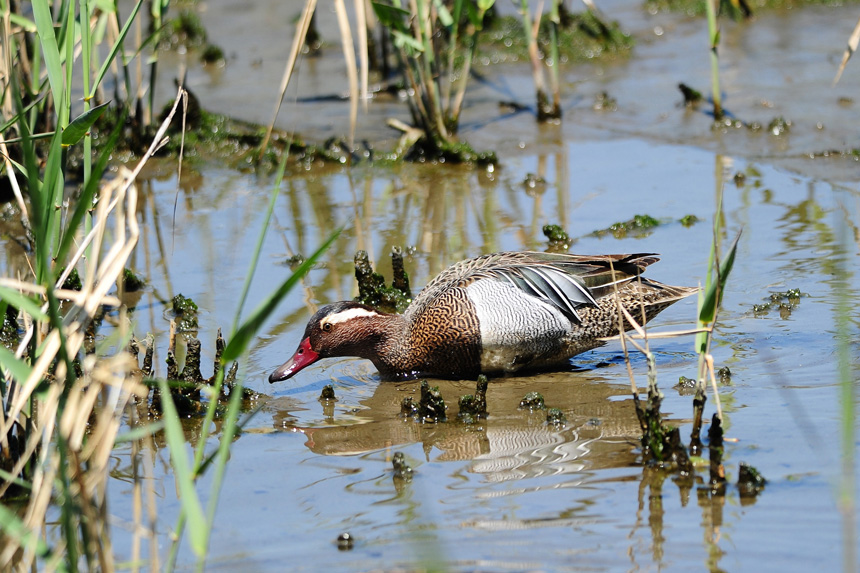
(493, 314)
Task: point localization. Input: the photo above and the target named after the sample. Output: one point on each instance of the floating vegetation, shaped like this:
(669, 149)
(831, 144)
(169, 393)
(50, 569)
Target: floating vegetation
(661, 443)
(686, 386)
(639, 226)
(688, 220)
(692, 97)
(212, 54)
(534, 184)
(785, 302)
(132, 282)
(777, 126)
(186, 30)
(430, 408)
(750, 481)
(185, 311)
(73, 281)
(558, 239)
(724, 375)
(327, 394)
(474, 407)
(402, 469)
(455, 152)
(604, 102)
(836, 153)
(345, 541)
(532, 401)
(555, 417)
(372, 290)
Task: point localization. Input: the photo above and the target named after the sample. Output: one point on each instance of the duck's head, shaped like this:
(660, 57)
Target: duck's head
(340, 329)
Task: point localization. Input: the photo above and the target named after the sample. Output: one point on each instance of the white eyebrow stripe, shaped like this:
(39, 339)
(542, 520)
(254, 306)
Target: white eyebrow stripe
(346, 315)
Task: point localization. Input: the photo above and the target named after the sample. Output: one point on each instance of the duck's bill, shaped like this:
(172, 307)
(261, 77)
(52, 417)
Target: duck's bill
(303, 357)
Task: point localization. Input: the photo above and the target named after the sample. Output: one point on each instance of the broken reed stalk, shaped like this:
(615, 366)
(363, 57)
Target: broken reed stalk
(714, 39)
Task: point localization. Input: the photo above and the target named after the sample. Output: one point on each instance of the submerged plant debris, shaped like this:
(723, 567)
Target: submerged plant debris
(558, 239)
(131, 282)
(372, 290)
(474, 407)
(638, 226)
(430, 408)
(402, 470)
(661, 443)
(73, 281)
(785, 302)
(345, 541)
(532, 401)
(692, 97)
(555, 417)
(185, 386)
(715, 456)
(327, 393)
(750, 481)
(604, 102)
(185, 311)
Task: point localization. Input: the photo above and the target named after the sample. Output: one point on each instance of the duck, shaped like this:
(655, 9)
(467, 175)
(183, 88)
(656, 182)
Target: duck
(495, 314)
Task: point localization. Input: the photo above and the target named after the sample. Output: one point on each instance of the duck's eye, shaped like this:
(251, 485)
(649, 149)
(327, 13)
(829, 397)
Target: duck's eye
(327, 327)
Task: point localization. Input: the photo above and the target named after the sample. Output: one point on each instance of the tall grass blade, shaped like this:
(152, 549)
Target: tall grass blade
(79, 126)
(115, 49)
(18, 368)
(714, 293)
(85, 200)
(22, 302)
(52, 198)
(50, 49)
(191, 505)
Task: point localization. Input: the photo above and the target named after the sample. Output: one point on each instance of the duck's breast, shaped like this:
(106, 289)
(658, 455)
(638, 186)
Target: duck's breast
(517, 329)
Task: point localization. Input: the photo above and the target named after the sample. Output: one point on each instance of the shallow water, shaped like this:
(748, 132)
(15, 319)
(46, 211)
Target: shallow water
(514, 493)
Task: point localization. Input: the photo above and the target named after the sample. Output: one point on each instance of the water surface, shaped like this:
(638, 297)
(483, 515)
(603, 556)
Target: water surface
(514, 493)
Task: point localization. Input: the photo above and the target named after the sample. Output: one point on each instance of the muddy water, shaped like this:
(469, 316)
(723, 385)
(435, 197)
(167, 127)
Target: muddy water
(514, 493)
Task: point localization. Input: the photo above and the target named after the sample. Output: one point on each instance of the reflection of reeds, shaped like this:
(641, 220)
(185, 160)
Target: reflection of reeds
(546, 109)
(846, 499)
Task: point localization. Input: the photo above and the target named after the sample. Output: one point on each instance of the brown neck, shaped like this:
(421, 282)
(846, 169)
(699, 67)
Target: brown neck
(384, 340)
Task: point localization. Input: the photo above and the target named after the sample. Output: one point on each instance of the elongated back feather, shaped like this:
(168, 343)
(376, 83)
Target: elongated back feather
(565, 281)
